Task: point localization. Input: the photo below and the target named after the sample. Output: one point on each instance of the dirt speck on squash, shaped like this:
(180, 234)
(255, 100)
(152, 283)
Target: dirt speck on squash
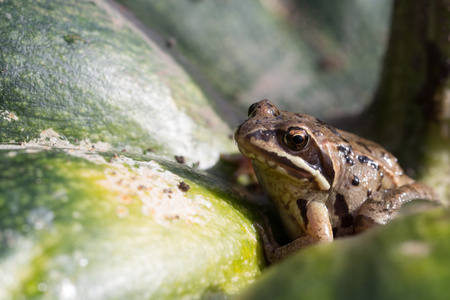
(183, 186)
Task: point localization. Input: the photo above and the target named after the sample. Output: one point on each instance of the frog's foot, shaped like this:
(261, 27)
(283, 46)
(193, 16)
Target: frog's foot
(383, 206)
(265, 232)
(318, 229)
(275, 253)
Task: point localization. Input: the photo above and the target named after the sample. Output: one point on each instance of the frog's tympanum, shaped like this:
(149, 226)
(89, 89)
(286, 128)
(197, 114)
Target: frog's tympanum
(325, 182)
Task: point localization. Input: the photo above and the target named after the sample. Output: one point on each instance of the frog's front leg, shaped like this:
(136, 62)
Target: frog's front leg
(383, 206)
(317, 227)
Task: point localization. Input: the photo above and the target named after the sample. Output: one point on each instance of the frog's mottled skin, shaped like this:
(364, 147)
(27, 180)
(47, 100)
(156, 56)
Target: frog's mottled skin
(325, 182)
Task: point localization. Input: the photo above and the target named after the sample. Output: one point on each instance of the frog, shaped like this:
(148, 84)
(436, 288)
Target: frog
(325, 183)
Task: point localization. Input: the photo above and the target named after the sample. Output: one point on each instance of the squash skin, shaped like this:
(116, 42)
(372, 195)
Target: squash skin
(95, 226)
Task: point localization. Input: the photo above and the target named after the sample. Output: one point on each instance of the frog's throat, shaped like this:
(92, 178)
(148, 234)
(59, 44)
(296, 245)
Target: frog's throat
(296, 161)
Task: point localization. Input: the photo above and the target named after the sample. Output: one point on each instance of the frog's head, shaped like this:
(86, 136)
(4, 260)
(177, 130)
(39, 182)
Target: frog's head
(283, 144)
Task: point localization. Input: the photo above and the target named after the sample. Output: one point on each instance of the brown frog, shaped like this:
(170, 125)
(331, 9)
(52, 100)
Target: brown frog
(325, 182)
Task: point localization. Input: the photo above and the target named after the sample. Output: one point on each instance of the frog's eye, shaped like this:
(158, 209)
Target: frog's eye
(296, 138)
(252, 110)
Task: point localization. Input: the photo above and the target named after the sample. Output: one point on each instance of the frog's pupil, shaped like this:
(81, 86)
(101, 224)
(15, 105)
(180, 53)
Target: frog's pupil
(297, 139)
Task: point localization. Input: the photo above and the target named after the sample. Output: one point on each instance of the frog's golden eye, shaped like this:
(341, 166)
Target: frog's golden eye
(252, 109)
(296, 138)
